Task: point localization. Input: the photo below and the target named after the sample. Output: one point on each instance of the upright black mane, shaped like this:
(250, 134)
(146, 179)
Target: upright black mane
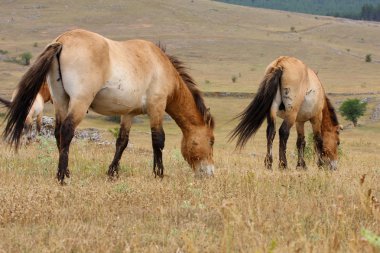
(192, 86)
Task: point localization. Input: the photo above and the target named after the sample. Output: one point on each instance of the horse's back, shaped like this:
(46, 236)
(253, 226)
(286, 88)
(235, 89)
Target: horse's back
(139, 73)
(117, 77)
(301, 90)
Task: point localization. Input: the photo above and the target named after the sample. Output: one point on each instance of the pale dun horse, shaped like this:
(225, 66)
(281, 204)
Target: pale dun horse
(88, 71)
(36, 110)
(293, 92)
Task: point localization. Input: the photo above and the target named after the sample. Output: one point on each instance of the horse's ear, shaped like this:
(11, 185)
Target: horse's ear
(339, 128)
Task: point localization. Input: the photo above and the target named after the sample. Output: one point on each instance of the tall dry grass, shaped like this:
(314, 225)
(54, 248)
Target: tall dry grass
(244, 208)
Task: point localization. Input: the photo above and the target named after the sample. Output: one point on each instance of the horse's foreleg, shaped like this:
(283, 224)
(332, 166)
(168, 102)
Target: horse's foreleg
(28, 128)
(318, 141)
(284, 135)
(271, 133)
(158, 143)
(301, 143)
(121, 144)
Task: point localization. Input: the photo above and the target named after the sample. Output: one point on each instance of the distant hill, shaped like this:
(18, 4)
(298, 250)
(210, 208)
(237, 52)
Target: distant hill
(356, 9)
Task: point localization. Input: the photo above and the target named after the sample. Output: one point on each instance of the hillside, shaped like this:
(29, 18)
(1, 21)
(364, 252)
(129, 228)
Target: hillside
(244, 207)
(319, 7)
(216, 40)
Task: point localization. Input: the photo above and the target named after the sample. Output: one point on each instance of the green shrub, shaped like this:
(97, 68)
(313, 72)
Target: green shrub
(114, 131)
(25, 58)
(352, 109)
(368, 58)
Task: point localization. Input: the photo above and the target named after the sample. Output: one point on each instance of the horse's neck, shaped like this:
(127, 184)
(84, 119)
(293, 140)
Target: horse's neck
(182, 108)
(327, 124)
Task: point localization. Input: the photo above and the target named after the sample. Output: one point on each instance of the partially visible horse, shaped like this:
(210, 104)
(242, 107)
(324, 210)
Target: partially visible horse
(88, 71)
(35, 111)
(293, 92)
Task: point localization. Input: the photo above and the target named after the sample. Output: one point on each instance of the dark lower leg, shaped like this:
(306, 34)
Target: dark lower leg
(66, 135)
(28, 131)
(271, 132)
(158, 143)
(121, 144)
(319, 148)
(284, 135)
(57, 133)
(301, 143)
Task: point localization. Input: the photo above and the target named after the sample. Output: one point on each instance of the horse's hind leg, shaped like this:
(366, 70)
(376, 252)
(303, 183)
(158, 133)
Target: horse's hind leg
(284, 135)
(77, 111)
(121, 144)
(301, 143)
(271, 133)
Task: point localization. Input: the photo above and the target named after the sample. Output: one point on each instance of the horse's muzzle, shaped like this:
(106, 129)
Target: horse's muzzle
(333, 165)
(205, 169)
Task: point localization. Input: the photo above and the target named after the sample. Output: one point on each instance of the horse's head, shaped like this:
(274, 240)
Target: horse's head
(331, 142)
(197, 149)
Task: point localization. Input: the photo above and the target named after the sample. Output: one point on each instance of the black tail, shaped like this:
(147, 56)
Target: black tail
(254, 115)
(28, 89)
(5, 102)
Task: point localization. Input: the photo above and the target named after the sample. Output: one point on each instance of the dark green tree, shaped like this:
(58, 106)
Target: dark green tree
(352, 109)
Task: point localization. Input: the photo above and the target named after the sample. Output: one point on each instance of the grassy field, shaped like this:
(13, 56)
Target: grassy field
(244, 208)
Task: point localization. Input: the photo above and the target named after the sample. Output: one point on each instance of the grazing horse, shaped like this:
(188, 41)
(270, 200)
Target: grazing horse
(88, 71)
(35, 111)
(293, 92)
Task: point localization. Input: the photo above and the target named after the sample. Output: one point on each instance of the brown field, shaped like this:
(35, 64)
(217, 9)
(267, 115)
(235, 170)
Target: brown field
(244, 208)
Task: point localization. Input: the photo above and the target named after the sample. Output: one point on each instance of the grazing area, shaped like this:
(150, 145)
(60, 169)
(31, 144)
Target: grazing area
(244, 207)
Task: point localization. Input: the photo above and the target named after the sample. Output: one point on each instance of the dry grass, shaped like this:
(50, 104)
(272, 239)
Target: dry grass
(244, 208)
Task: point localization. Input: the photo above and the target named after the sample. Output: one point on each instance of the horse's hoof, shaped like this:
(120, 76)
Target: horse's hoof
(159, 174)
(301, 166)
(67, 173)
(283, 166)
(113, 176)
(61, 178)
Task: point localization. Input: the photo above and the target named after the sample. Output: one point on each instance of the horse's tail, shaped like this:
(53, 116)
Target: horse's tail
(254, 115)
(5, 102)
(28, 89)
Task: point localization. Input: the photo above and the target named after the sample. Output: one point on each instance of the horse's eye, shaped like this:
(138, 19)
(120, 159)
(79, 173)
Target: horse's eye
(211, 142)
(338, 143)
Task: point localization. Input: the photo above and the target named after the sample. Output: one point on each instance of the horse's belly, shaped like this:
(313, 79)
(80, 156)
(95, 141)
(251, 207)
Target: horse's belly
(117, 101)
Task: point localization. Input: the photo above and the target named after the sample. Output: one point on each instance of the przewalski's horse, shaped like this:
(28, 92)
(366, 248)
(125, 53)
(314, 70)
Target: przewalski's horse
(35, 111)
(86, 70)
(293, 92)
